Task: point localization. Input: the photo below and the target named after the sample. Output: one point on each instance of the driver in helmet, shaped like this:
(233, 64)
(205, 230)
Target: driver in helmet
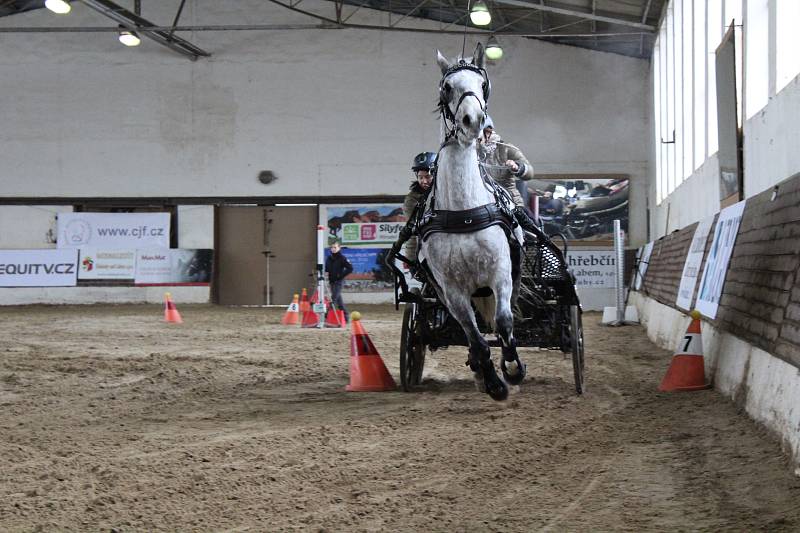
(506, 164)
(421, 167)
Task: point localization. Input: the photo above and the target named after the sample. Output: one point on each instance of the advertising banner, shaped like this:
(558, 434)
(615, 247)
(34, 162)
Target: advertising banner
(106, 264)
(366, 233)
(113, 230)
(38, 268)
(581, 207)
(719, 255)
(691, 269)
(173, 267)
(593, 268)
(371, 233)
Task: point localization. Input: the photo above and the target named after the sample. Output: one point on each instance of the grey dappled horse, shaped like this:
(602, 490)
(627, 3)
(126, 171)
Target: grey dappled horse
(462, 263)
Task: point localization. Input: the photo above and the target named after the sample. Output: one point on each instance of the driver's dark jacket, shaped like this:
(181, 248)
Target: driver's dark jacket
(338, 267)
(415, 194)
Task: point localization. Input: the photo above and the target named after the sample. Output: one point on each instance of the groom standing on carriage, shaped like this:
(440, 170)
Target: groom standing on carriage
(502, 161)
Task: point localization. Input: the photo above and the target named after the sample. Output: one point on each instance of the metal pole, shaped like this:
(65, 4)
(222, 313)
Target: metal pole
(269, 289)
(320, 275)
(620, 268)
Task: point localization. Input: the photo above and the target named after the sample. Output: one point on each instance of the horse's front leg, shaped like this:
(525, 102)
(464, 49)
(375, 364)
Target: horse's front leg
(480, 358)
(511, 365)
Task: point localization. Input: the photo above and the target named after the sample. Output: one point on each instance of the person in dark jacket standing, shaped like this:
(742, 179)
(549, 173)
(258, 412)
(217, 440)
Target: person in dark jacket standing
(338, 267)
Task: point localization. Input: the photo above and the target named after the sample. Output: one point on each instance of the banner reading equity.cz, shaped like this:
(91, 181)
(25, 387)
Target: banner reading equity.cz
(113, 230)
(38, 268)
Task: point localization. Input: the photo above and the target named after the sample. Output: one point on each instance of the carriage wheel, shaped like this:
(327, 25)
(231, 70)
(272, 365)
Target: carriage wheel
(412, 350)
(576, 335)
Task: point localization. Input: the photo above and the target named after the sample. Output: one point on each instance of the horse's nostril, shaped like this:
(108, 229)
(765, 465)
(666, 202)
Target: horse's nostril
(466, 121)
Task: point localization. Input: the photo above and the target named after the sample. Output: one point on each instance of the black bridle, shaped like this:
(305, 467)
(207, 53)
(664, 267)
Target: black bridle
(444, 106)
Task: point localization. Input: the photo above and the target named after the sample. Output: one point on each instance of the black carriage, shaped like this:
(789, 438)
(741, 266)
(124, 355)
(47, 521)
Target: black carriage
(547, 314)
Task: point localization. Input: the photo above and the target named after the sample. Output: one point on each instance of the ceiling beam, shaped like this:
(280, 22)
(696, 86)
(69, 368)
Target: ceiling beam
(322, 26)
(573, 13)
(134, 22)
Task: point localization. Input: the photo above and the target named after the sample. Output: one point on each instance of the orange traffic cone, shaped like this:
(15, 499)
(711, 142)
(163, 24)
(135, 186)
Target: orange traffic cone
(367, 371)
(310, 320)
(305, 307)
(687, 370)
(310, 317)
(334, 318)
(171, 313)
(292, 316)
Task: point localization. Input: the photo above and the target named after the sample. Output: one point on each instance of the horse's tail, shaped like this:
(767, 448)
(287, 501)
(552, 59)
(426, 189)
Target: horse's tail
(486, 306)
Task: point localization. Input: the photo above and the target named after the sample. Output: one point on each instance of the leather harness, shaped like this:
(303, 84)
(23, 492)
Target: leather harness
(467, 221)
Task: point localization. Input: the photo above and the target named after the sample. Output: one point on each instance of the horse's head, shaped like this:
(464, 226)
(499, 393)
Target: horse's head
(464, 93)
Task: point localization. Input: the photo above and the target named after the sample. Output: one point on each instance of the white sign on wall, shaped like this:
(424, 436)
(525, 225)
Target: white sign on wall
(38, 268)
(710, 291)
(593, 268)
(106, 264)
(113, 230)
(691, 268)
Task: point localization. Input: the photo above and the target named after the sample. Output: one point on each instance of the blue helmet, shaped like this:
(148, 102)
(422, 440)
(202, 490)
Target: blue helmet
(423, 161)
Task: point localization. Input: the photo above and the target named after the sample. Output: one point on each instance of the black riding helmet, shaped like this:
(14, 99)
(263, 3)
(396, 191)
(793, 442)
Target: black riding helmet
(423, 161)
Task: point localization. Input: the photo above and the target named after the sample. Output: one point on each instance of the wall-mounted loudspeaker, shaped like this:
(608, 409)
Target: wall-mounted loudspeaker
(266, 177)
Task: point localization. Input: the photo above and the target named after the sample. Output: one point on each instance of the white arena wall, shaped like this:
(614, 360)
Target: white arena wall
(333, 113)
(765, 386)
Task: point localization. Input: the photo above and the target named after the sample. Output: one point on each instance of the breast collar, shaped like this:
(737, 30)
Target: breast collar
(466, 221)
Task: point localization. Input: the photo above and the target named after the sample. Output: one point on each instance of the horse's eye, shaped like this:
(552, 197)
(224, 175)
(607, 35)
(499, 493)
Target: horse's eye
(447, 88)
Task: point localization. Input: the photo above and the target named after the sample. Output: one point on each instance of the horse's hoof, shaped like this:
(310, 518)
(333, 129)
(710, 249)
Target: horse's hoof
(513, 371)
(498, 391)
(494, 385)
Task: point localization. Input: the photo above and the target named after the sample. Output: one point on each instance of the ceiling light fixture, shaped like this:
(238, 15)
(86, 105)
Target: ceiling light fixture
(128, 37)
(479, 14)
(493, 49)
(58, 6)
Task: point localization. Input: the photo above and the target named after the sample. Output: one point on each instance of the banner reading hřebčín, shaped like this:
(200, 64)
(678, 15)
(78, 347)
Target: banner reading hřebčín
(594, 269)
(113, 230)
(38, 268)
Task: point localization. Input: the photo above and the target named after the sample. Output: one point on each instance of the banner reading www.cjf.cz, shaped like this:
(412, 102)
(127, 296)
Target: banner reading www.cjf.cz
(113, 230)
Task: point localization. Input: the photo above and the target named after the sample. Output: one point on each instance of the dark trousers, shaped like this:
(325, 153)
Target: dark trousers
(336, 296)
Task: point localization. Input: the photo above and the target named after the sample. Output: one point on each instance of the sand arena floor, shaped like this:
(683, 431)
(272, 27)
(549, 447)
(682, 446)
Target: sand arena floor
(111, 420)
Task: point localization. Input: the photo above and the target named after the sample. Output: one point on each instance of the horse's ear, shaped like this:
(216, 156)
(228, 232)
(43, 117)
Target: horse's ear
(444, 64)
(477, 57)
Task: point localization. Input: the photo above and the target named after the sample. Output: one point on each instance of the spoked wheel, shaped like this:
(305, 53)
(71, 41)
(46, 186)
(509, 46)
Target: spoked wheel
(412, 350)
(576, 337)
